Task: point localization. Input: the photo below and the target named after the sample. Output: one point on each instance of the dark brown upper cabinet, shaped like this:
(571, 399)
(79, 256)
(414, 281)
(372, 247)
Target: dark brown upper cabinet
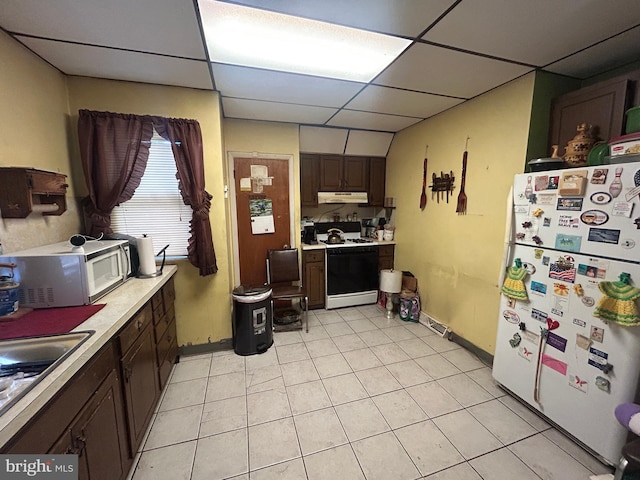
(377, 172)
(309, 178)
(601, 105)
(344, 174)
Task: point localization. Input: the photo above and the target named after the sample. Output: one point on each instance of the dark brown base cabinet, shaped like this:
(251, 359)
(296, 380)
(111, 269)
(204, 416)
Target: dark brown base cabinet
(102, 413)
(313, 277)
(385, 257)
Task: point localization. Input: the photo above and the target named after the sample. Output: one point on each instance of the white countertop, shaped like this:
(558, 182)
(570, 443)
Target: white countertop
(121, 305)
(323, 246)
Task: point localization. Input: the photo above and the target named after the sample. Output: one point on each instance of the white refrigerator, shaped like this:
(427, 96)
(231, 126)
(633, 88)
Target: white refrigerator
(571, 230)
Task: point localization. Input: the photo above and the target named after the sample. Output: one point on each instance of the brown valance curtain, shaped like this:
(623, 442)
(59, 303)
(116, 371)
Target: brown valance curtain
(114, 149)
(186, 142)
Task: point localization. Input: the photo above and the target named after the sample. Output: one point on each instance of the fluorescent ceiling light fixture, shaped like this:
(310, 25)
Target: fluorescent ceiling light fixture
(251, 37)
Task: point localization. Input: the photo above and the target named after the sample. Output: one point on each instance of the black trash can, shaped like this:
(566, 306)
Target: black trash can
(252, 320)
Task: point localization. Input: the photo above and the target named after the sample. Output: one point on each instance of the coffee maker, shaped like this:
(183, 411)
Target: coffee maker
(368, 227)
(309, 236)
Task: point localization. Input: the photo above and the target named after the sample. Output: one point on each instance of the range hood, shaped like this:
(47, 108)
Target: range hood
(342, 197)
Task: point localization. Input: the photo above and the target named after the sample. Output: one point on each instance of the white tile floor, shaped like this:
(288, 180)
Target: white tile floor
(358, 397)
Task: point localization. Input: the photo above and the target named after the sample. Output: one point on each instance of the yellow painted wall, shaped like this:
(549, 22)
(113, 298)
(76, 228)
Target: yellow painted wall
(457, 258)
(266, 138)
(203, 309)
(33, 122)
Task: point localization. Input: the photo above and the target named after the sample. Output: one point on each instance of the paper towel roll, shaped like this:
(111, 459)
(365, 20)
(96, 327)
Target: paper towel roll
(390, 281)
(146, 255)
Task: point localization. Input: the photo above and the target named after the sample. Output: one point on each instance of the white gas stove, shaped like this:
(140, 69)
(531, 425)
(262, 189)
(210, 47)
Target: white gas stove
(352, 267)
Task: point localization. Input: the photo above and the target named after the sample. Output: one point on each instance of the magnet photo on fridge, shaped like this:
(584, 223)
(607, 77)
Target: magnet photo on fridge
(604, 235)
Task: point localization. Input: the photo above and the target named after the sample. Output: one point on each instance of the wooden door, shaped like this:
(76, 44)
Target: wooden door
(252, 248)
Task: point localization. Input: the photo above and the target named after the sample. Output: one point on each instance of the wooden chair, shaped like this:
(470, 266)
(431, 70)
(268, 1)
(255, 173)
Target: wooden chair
(282, 271)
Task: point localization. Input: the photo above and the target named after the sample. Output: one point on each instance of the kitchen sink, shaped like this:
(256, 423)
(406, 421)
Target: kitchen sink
(26, 361)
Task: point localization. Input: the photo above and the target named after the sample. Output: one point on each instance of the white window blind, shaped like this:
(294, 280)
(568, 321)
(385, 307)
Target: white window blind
(156, 208)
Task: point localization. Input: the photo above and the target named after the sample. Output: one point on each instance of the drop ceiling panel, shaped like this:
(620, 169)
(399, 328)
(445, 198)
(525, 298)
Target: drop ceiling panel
(368, 143)
(534, 32)
(74, 59)
(157, 26)
(323, 139)
(431, 69)
(401, 102)
(610, 54)
(256, 84)
(275, 112)
(405, 17)
(371, 121)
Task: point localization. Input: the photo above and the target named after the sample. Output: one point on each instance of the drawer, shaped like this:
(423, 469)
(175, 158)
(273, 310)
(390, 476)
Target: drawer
(164, 343)
(132, 330)
(385, 250)
(313, 256)
(169, 294)
(156, 303)
(164, 322)
(164, 369)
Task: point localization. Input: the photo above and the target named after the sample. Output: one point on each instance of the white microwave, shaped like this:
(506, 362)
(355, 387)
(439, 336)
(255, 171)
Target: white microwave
(58, 275)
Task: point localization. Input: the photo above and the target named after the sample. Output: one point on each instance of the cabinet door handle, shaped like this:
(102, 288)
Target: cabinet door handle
(79, 443)
(169, 338)
(139, 324)
(126, 373)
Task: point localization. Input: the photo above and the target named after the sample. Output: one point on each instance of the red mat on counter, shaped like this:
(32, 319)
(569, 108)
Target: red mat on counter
(46, 321)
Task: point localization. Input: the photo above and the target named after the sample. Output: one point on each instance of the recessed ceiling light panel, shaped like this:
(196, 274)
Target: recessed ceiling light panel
(257, 38)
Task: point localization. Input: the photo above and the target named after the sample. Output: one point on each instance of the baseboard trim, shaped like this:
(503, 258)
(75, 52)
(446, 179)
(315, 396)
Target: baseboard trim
(219, 346)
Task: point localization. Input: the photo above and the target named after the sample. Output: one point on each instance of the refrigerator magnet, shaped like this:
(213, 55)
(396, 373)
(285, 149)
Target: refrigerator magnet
(637, 222)
(588, 301)
(542, 183)
(556, 341)
(628, 243)
(572, 204)
(538, 253)
(597, 358)
(600, 198)
(604, 235)
(560, 289)
(515, 340)
(539, 315)
(568, 221)
(546, 198)
(538, 288)
(568, 243)
(526, 353)
(532, 337)
(579, 383)
(622, 209)
(579, 323)
(562, 270)
(629, 195)
(597, 334)
(603, 384)
(545, 261)
(596, 217)
(511, 317)
(599, 176)
(554, 364)
(582, 342)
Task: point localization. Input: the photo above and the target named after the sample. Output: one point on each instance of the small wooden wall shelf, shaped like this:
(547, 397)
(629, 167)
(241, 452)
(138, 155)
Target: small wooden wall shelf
(26, 190)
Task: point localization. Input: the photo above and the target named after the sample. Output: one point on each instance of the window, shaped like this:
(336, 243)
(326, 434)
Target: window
(157, 209)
